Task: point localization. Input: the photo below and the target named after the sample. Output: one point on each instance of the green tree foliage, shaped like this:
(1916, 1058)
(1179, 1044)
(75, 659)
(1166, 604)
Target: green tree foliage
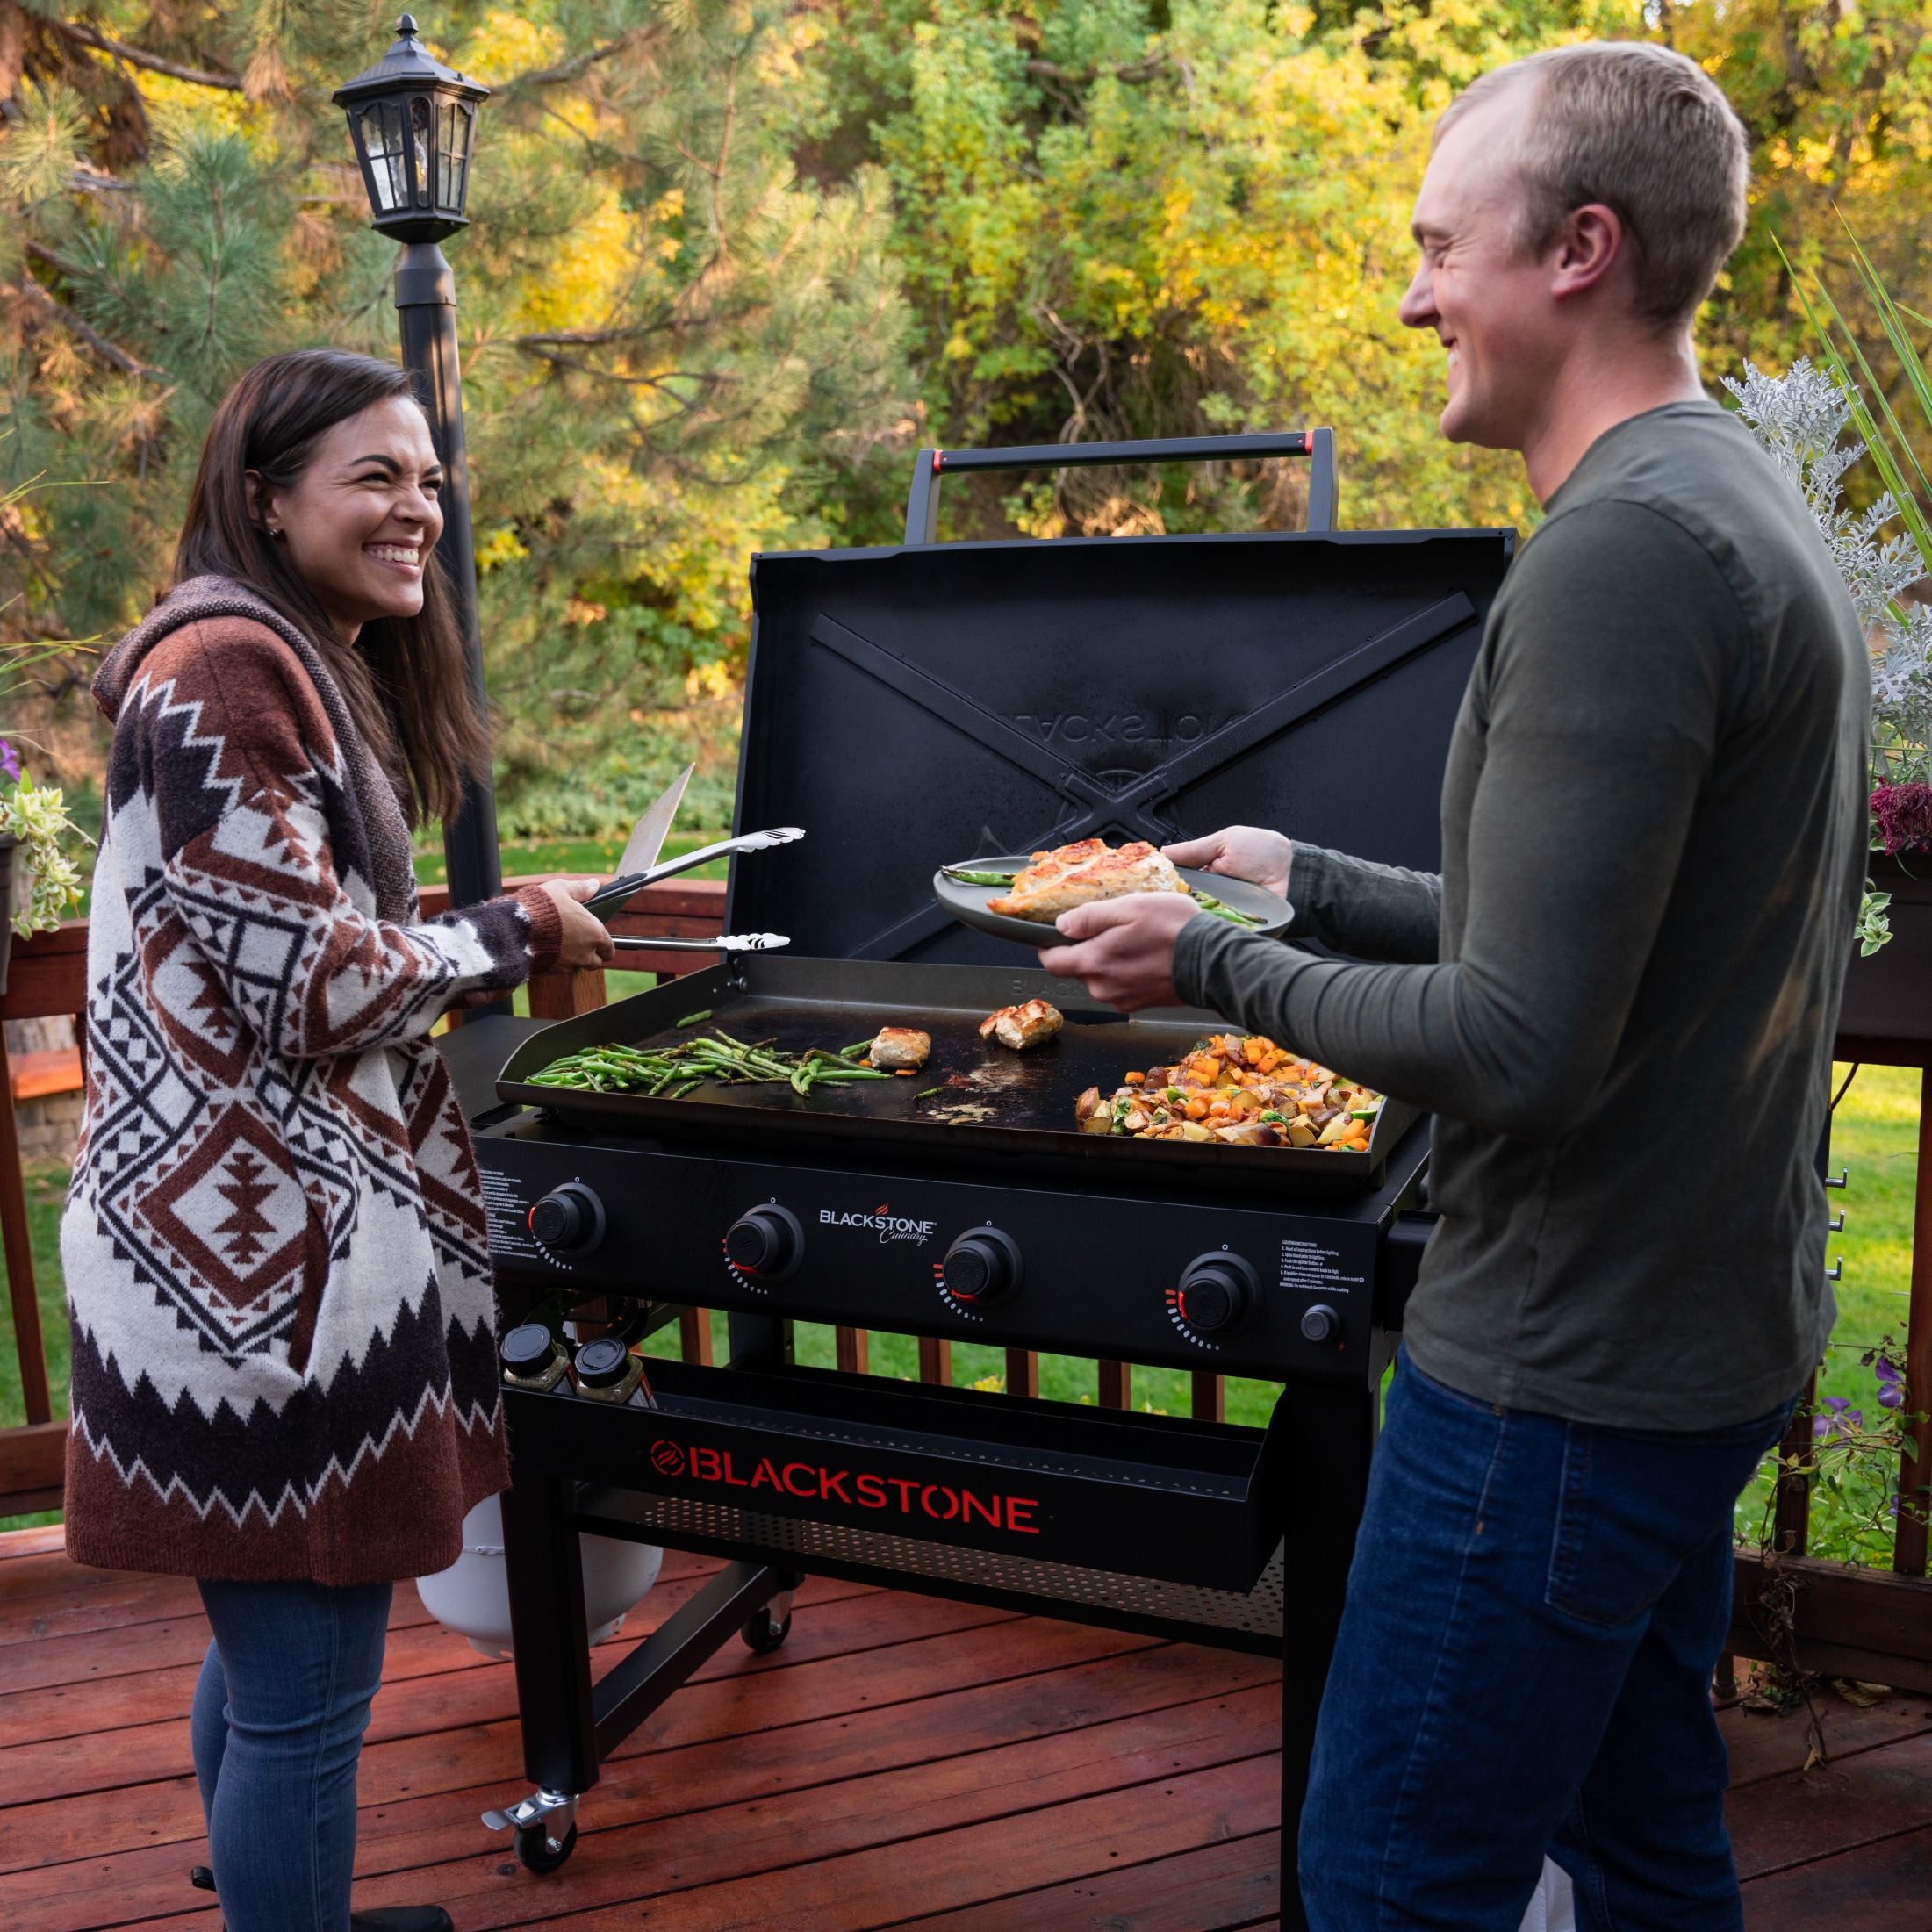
(733, 259)
(673, 346)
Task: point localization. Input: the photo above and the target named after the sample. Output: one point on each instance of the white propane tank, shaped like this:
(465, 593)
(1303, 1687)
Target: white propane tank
(472, 1597)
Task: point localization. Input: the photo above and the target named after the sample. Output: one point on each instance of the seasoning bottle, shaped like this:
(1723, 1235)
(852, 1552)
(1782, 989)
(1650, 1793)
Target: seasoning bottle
(531, 1358)
(607, 1371)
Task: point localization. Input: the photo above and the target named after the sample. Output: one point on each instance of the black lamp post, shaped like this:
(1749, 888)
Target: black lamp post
(413, 121)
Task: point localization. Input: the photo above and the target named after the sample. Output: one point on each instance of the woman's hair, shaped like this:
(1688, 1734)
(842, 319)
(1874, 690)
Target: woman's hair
(405, 679)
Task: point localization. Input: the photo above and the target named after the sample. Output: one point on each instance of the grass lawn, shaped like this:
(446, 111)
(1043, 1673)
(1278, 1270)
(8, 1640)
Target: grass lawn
(1875, 1136)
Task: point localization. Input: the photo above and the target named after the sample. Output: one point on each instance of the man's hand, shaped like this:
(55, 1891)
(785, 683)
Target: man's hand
(1125, 948)
(586, 941)
(1241, 851)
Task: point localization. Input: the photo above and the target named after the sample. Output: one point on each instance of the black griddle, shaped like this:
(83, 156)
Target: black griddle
(914, 706)
(994, 1104)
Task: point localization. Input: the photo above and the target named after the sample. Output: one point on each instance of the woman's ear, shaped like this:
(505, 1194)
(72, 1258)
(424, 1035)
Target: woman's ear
(261, 506)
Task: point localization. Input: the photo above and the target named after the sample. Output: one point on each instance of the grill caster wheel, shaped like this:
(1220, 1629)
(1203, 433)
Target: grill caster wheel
(762, 1637)
(538, 1854)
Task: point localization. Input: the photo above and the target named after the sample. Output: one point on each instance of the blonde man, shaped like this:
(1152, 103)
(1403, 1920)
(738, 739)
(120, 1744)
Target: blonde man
(1619, 999)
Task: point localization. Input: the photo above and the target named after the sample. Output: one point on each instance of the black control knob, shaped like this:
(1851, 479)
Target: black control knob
(767, 1243)
(1218, 1292)
(982, 1269)
(1320, 1322)
(569, 1220)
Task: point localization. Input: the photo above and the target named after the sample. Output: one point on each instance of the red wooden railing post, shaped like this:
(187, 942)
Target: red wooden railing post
(21, 1289)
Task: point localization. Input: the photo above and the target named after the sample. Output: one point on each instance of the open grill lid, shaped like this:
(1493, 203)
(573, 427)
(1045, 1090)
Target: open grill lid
(915, 705)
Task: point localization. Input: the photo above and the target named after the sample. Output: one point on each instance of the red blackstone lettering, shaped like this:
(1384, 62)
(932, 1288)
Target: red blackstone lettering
(872, 1492)
(925, 1502)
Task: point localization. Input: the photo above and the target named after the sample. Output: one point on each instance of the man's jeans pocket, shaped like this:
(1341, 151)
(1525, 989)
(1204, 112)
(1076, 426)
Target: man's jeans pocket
(1632, 1508)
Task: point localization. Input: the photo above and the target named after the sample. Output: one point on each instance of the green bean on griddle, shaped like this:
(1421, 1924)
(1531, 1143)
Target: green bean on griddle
(672, 1071)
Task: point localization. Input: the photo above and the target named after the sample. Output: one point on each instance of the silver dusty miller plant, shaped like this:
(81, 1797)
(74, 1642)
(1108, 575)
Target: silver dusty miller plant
(1800, 419)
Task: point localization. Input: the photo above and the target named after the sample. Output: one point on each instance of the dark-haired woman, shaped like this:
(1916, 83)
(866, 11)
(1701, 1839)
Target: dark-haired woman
(284, 1380)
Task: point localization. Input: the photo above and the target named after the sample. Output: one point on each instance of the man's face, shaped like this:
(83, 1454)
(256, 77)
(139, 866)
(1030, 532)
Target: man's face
(1490, 305)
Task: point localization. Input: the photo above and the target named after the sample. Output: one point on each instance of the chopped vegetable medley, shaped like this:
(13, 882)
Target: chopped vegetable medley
(1247, 1091)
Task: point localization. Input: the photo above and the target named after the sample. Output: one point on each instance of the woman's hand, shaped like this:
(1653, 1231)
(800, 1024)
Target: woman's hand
(1240, 851)
(586, 941)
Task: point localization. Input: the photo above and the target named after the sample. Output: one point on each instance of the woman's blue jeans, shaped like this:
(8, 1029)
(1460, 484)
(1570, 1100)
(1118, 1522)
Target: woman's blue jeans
(1534, 1611)
(279, 1713)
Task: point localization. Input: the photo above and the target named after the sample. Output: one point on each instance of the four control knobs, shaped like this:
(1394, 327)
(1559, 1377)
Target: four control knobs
(1218, 1294)
(766, 1243)
(982, 1269)
(568, 1220)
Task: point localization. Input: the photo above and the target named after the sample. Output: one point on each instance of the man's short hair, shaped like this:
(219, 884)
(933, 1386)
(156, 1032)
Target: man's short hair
(1645, 132)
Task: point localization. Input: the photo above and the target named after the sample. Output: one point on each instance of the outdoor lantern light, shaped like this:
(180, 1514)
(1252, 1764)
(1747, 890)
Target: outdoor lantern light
(414, 120)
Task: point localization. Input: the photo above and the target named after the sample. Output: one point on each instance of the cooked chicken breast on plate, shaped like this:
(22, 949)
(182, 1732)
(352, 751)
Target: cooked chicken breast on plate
(1078, 874)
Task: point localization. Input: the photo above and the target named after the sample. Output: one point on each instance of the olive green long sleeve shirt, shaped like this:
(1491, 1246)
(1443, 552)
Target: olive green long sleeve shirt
(1619, 996)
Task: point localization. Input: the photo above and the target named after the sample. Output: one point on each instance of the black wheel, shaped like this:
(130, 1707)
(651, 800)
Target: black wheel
(762, 1635)
(534, 1849)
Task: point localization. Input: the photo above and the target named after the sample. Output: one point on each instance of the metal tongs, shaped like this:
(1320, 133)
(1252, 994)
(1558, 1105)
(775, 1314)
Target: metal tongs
(729, 942)
(612, 895)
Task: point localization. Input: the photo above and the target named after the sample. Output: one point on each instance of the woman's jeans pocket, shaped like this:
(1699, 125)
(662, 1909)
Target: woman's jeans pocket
(1632, 1507)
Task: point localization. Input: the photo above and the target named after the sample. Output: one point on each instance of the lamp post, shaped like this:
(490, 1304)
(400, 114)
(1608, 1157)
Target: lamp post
(413, 122)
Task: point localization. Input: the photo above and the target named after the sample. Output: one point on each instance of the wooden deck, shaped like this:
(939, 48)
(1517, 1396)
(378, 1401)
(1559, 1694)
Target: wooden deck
(901, 1761)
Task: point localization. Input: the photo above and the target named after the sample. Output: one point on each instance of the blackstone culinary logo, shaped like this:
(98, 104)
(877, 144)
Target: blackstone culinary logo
(891, 1227)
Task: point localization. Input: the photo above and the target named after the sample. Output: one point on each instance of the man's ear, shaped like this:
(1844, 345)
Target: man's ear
(1588, 246)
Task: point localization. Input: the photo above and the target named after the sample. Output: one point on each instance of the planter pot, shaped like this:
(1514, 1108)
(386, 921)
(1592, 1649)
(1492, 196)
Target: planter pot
(10, 878)
(1889, 995)
(472, 1597)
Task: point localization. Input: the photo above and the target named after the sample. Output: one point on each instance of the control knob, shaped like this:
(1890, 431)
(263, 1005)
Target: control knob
(766, 1243)
(1218, 1292)
(1320, 1322)
(569, 1219)
(982, 1269)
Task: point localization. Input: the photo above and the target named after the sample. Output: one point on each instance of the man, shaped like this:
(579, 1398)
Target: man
(1619, 999)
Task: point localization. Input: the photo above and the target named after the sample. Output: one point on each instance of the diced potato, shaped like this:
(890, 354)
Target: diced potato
(1334, 1130)
(1300, 1134)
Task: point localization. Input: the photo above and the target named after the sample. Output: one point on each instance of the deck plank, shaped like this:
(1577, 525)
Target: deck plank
(903, 1761)
(1218, 1888)
(415, 1831)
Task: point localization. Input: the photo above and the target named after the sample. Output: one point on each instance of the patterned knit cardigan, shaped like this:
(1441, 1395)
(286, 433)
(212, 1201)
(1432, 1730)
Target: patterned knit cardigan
(275, 1247)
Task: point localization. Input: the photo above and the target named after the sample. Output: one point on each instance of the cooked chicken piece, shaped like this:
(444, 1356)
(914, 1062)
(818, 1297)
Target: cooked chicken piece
(1076, 875)
(1021, 1027)
(901, 1048)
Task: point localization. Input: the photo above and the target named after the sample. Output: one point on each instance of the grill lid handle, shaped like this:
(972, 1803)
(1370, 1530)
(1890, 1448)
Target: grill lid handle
(1318, 445)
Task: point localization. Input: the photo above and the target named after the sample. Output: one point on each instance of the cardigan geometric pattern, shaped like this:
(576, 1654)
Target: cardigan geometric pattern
(276, 1258)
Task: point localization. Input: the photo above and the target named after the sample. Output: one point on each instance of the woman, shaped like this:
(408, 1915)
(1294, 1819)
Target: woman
(285, 1366)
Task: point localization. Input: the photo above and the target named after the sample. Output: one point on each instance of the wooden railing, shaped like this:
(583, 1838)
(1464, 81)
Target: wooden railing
(1832, 1618)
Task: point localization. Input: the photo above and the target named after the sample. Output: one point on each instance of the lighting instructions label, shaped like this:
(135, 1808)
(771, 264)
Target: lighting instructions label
(509, 1218)
(1306, 1265)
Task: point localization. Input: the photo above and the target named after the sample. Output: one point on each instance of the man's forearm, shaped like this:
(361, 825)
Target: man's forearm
(1368, 911)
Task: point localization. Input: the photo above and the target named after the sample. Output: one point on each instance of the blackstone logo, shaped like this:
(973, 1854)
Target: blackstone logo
(891, 1227)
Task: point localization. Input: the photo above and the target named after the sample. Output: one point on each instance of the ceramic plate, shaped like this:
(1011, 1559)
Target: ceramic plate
(968, 903)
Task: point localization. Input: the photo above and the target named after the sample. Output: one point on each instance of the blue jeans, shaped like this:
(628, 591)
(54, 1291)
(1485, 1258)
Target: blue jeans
(278, 1725)
(1534, 1611)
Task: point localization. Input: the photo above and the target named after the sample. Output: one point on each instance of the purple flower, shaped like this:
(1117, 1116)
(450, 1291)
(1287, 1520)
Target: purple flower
(1892, 1397)
(1903, 812)
(9, 761)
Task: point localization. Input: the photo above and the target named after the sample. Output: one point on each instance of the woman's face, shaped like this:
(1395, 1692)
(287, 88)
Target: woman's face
(361, 520)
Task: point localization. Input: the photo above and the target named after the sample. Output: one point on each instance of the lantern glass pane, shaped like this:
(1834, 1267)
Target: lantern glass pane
(453, 129)
(420, 142)
(382, 132)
